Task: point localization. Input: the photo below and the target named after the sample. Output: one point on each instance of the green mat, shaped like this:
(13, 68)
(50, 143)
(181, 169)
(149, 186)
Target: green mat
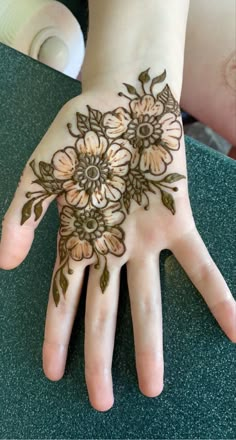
(199, 398)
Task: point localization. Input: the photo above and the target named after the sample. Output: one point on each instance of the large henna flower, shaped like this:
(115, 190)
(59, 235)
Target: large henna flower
(91, 230)
(93, 171)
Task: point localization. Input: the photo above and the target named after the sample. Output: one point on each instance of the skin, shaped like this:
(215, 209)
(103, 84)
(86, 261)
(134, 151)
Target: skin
(156, 229)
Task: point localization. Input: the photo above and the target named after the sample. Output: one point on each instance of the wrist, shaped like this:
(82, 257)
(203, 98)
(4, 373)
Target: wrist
(123, 41)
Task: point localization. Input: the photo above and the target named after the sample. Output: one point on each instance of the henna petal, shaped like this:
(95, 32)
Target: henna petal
(92, 144)
(98, 198)
(118, 156)
(67, 221)
(72, 242)
(154, 160)
(64, 163)
(77, 252)
(117, 183)
(114, 245)
(102, 146)
(116, 123)
(117, 232)
(79, 249)
(87, 249)
(112, 214)
(157, 109)
(140, 106)
(77, 197)
(172, 131)
(110, 243)
(135, 158)
(112, 193)
(101, 246)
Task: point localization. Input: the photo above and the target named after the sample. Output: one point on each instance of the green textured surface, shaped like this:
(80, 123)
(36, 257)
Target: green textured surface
(199, 398)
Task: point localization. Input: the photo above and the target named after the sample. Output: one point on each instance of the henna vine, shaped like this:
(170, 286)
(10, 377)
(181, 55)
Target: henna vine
(117, 157)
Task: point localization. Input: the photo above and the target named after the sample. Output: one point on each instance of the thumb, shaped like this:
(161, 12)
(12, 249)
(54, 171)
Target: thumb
(31, 200)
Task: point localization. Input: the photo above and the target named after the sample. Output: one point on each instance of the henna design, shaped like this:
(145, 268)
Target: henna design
(116, 158)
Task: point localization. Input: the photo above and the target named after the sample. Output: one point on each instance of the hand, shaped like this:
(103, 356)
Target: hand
(118, 171)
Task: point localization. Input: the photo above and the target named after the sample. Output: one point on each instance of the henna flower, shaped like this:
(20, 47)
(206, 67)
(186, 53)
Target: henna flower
(155, 157)
(154, 133)
(92, 230)
(93, 171)
(155, 138)
(150, 130)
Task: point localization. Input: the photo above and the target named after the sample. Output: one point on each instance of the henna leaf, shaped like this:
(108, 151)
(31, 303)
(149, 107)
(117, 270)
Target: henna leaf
(46, 170)
(171, 178)
(82, 123)
(104, 280)
(144, 76)
(158, 79)
(26, 211)
(52, 186)
(32, 165)
(63, 282)
(168, 201)
(62, 249)
(166, 97)
(38, 209)
(132, 90)
(55, 292)
(126, 200)
(95, 118)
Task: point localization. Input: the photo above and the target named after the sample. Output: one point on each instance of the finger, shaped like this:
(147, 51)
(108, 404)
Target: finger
(100, 324)
(145, 299)
(19, 222)
(60, 319)
(194, 257)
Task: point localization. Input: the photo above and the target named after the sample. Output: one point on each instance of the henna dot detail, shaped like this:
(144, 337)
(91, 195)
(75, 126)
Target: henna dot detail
(91, 225)
(92, 172)
(144, 130)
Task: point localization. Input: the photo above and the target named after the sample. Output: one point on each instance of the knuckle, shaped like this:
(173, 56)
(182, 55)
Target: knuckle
(147, 306)
(97, 367)
(99, 323)
(203, 271)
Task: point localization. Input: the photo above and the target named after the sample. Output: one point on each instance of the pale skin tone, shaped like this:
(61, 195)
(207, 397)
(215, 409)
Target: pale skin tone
(147, 232)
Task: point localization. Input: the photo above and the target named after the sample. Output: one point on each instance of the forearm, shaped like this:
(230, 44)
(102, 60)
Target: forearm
(127, 37)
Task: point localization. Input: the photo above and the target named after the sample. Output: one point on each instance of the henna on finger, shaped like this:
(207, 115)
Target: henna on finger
(115, 158)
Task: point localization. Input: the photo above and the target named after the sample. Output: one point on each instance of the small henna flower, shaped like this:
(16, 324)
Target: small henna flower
(93, 171)
(153, 156)
(92, 230)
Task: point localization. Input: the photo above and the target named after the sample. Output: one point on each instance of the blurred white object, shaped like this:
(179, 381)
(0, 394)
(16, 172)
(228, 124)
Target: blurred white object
(45, 30)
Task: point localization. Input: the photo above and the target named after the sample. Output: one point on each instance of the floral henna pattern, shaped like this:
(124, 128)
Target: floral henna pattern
(116, 158)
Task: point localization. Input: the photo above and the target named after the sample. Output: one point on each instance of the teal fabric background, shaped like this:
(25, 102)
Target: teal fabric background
(199, 398)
